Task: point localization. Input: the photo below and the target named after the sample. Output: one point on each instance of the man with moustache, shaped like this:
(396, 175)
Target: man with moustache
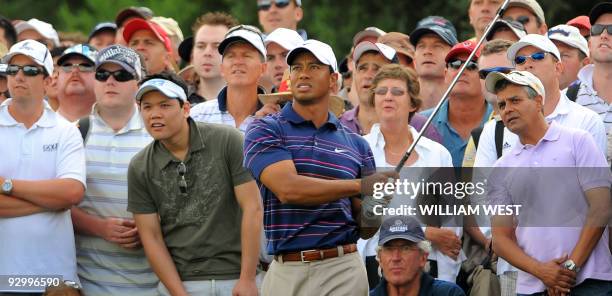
(196, 208)
(75, 82)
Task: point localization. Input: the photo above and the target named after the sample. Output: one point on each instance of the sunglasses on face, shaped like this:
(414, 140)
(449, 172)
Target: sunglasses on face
(456, 64)
(28, 70)
(597, 29)
(85, 67)
(484, 72)
(266, 4)
(395, 91)
(523, 19)
(181, 169)
(538, 56)
(119, 75)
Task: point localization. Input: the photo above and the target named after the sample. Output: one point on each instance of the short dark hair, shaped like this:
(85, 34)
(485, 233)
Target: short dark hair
(10, 34)
(170, 76)
(214, 19)
(495, 46)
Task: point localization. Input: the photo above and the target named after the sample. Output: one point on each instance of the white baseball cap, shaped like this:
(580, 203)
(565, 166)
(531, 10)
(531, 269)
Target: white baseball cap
(516, 77)
(43, 28)
(166, 87)
(286, 38)
(34, 50)
(323, 52)
(246, 33)
(535, 40)
(386, 51)
(569, 35)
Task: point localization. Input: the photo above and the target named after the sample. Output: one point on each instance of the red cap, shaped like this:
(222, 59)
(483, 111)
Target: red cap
(462, 47)
(580, 22)
(139, 24)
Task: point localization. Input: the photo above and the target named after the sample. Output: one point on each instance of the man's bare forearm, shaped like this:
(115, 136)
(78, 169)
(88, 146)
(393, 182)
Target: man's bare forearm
(53, 194)
(11, 207)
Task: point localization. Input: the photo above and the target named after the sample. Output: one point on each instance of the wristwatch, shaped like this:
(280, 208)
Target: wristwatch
(571, 265)
(7, 187)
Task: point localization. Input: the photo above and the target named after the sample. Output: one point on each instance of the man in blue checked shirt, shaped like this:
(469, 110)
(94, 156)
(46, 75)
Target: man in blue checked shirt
(309, 167)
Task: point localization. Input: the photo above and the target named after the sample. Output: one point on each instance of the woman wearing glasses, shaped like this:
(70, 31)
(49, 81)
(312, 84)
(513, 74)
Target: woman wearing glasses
(395, 99)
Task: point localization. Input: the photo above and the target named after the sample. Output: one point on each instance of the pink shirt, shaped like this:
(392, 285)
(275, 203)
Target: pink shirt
(554, 205)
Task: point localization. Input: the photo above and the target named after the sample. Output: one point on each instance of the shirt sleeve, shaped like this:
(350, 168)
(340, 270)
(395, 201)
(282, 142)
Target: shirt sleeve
(486, 155)
(234, 158)
(263, 146)
(593, 170)
(71, 160)
(597, 129)
(140, 200)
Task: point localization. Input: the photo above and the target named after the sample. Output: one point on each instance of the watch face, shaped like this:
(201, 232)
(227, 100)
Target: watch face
(6, 186)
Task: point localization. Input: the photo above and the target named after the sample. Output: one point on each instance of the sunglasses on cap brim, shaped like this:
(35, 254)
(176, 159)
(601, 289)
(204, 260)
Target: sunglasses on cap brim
(484, 72)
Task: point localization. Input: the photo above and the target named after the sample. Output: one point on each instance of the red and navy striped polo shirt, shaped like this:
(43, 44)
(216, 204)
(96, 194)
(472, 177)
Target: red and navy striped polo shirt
(330, 152)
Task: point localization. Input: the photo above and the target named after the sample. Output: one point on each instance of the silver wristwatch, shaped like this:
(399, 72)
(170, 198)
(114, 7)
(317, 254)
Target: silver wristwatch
(7, 187)
(571, 265)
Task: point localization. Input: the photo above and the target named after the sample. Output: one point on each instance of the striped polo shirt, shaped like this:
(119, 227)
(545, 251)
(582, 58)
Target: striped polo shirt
(330, 152)
(215, 111)
(587, 97)
(106, 268)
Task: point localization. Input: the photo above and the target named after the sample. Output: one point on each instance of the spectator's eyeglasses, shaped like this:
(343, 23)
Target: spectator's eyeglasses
(28, 70)
(119, 75)
(484, 72)
(538, 56)
(597, 29)
(456, 64)
(404, 249)
(85, 67)
(523, 19)
(266, 4)
(181, 169)
(395, 91)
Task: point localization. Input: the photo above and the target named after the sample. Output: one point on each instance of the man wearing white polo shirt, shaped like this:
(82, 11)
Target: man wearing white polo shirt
(278, 44)
(42, 173)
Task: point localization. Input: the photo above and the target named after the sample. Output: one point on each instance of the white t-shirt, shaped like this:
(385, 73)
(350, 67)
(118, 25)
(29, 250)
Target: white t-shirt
(43, 243)
(433, 155)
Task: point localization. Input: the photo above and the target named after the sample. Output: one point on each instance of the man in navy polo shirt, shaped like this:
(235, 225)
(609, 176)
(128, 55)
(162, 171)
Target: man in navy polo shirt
(309, 167)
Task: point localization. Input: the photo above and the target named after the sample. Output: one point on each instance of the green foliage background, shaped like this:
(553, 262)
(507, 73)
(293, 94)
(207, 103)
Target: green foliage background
(331, 21)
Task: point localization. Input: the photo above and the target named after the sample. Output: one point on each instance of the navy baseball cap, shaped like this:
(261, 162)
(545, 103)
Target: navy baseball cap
(436, 25)
(401, 227)
(598, 10)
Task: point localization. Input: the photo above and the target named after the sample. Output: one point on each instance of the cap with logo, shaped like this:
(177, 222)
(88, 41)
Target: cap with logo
(34, 50)
(43, 28)
(570, 36)
(102, 27)
(85, 51)
(516, 77)
(531, 5)
(244, 33)
(166, 87)
(367, 32)
(322, 51)
(600, 9)
(398, 41)
(517, 28)
(286, 38)
(139, 24)
(436, 25)
(535, 40)
(580, 22)
(465, 47)
(122, 56)
(400, 227)
(144, 13)
(386, 51)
